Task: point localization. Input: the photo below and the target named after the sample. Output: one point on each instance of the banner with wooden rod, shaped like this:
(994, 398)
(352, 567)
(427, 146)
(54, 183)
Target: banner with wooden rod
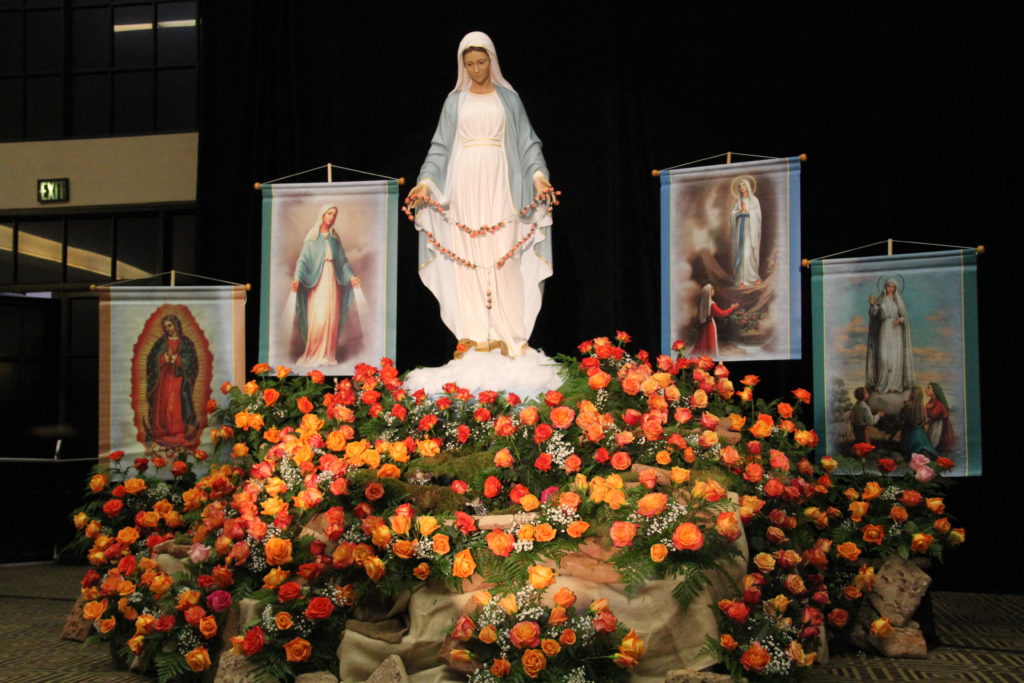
(730, 239)
(895, 346)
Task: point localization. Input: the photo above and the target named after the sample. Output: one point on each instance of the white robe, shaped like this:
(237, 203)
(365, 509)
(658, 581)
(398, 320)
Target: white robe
(489, 306)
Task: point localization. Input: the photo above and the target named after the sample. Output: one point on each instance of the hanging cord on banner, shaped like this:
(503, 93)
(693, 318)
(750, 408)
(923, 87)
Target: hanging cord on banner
(173, 274)
(330, 175)
(728, 159)
(889, 242)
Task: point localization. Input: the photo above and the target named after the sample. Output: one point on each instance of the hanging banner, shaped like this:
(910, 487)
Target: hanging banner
(164, 353)
(896, 356)
(730, 240)
(329, 276)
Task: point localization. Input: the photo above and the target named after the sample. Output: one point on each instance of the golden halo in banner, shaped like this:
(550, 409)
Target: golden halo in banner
(734, 185)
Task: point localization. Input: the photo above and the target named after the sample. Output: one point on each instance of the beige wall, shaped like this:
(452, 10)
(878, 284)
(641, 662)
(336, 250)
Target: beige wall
(143, 169)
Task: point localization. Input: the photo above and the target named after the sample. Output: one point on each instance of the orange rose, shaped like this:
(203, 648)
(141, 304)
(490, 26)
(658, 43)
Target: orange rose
(727, 526)
(652, 505)
(920, 543)
(374, 568)
(622, 533)
(534, 662)
(297, 650)
(488, 634)
(283, 620)
(756, 658)
(198, 659)
(881, 627)
(871, 491)
(422, 571)
(632, 646)
(525, 634)
(403, 548)
(208, 626)
(687, 536)
(658, 552)
(762, 429)
(873, 533)
(500, 542)
(849, 551)
(858, 509)
(278, 551)
(577, 529)
(764, 562)
(542, 532)
(463, 566)
(550, 647)
(562, 417)
(568, 637)
(898, 514)
(501, 668)
(442, 544)
(503, 458)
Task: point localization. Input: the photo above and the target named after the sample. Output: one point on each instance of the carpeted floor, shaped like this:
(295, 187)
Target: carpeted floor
(982, 638)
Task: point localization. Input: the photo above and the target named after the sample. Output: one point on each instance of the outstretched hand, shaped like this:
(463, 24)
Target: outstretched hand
(419, 190)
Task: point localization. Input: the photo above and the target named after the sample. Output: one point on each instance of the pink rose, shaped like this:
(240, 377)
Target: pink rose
(218, 601)
(917, 461)
(198, 553)
(925, 474)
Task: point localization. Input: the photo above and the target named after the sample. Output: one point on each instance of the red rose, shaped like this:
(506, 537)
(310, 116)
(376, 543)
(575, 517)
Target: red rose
(542, 432)
(289, 591)
(459, 486)
(492, 487)
(113, 507)
(319, 608)
(553, 398)
(253, 641)
(464, 522)
(735, 610)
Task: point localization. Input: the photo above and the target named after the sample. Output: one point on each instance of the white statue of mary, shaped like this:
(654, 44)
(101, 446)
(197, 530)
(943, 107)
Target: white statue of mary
(485, 261)
(485, 258)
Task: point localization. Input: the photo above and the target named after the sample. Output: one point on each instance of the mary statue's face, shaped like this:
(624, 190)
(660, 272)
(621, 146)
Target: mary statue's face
(329, 216)
(890, 288)
(478, 66)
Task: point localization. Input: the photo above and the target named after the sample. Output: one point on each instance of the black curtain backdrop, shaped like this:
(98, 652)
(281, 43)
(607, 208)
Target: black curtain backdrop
(901, 110)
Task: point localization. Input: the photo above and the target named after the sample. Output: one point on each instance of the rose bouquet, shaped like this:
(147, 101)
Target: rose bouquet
(515, 636)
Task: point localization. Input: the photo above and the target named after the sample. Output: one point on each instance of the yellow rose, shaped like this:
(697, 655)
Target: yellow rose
(541, 577)
(426, 525)
(464, 565)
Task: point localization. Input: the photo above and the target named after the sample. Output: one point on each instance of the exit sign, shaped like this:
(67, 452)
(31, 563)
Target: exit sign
(53, 190)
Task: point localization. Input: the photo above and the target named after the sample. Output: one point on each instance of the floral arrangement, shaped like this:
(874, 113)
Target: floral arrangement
(515, 635)
(327, 497)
